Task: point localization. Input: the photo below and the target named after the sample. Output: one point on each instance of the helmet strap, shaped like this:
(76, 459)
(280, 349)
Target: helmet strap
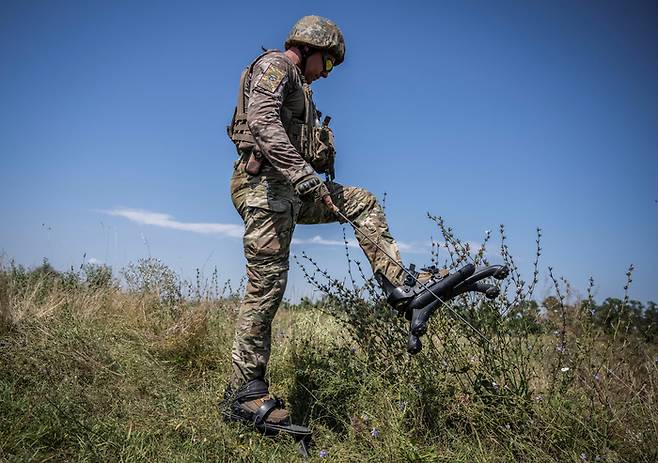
(306, 51)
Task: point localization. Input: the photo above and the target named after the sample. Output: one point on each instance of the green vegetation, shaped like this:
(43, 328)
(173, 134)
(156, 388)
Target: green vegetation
(91, 371)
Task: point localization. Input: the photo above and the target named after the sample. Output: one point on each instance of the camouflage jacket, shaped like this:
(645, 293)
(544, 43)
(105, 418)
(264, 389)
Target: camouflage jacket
(279, 114)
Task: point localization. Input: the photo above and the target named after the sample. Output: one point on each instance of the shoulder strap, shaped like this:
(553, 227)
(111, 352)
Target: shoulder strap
(241, 107)
(238, 130)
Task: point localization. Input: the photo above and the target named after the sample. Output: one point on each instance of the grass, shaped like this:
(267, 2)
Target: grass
(90, 371)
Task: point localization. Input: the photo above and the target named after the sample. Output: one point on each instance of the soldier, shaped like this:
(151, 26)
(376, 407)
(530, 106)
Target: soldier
(282, 146)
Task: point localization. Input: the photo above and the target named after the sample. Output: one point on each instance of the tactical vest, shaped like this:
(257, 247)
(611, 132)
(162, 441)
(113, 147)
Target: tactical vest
(312, 141)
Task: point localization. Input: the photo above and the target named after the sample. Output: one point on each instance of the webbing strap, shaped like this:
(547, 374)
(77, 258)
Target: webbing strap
(246, 74)
(264, 410)
(242, 136)
(254, 389)
(309, 117)
(240, 109)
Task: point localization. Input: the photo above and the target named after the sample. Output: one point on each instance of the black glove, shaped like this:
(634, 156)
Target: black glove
(311, 188)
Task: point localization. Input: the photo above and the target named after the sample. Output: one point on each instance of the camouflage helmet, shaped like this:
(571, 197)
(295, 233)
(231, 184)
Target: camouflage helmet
(318, 32)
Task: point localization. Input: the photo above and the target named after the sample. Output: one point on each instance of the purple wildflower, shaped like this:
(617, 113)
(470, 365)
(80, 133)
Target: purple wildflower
(583, 456)
(402, 405)
(324, 453)
(374, 433)
(596, 377)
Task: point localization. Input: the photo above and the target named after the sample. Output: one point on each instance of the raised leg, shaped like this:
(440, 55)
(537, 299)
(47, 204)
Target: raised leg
(362, 208)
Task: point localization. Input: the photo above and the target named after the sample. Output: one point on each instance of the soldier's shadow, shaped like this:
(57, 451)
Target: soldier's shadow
(324, 388)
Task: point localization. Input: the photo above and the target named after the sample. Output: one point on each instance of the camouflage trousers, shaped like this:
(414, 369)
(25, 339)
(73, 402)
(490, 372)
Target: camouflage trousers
(270, 210)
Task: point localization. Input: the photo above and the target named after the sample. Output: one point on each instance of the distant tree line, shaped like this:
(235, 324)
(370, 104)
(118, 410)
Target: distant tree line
(613, 313)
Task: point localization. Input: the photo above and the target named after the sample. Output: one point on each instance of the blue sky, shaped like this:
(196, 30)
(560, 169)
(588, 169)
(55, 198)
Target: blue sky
(530, 114)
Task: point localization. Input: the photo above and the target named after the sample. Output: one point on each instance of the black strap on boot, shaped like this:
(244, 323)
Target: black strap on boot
(264, 410)
(254, 389)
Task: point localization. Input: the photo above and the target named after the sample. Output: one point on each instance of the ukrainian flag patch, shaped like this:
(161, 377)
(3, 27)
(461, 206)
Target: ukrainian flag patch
(271, 78)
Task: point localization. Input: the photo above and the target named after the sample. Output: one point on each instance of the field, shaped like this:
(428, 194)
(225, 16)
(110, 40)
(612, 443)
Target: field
(132, 367)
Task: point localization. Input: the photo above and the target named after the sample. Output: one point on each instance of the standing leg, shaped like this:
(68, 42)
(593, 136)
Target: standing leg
(268, 231)
(362, 208)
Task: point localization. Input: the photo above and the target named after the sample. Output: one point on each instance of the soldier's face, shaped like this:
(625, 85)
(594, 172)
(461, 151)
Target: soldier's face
(315, 67)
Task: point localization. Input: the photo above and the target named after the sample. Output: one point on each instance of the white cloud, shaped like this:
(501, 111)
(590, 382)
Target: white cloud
(317, 239)
(94, 261)
(159, 219)
(413, 248)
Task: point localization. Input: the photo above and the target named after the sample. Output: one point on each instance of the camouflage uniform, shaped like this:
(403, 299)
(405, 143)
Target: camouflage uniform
(270, 207)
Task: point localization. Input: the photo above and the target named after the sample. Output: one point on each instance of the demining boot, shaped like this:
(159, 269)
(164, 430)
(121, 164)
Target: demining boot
(414, 294)
(426, 303)
(253, 403)
(413, 284)
(413, 344)
(466, 279)
(422, 293)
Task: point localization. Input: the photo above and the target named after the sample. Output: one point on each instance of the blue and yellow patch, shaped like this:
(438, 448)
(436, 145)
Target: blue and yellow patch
(271, 78)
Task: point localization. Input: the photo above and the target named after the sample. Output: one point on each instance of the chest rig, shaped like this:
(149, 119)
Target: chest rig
(300, 120)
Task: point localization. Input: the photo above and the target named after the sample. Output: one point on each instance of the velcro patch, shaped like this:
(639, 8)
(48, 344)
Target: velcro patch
(271, 78)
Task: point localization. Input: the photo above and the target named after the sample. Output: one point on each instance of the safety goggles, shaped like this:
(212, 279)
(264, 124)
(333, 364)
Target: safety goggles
(328, 62)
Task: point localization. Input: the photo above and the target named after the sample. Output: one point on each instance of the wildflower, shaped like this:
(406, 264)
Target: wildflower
(559, 349)
(583, 456)
(353, 350)
(374, 433)
(324, 453)
(402, 405)
(596, 377)
(539, 398)
(508, 427)
(494, 384)
(564, 369)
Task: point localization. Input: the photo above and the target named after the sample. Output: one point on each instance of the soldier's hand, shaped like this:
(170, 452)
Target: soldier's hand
(329, 203)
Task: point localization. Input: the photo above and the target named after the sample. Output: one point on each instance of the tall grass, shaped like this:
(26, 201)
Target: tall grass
(91, 370)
